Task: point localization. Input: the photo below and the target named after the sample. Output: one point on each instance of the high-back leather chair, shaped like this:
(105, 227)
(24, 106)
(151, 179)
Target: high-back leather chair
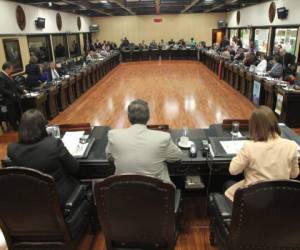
(264, 216)
(30, 213)
(137, 212)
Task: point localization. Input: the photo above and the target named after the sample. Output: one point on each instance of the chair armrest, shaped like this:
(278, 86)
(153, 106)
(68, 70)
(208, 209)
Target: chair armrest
(222, 205)
(78, 195)
(177, 200)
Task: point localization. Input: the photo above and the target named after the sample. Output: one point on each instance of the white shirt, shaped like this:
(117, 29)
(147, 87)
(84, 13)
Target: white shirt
(261, 67)
(54, 74)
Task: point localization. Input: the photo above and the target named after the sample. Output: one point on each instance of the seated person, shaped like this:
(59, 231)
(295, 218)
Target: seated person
(53, 72)
(34, 74)
(138, 150)
(192, 43)
(266, 156)
(44, 71)
(143, 45)
(153, 45)
(261, 68)
(36, 150)
(288, 62)
(277, 68)
(92, 56)
(162, 44)
(250, 59)
(240, 55)
(226, 54)
(171, 43)
(181, 43)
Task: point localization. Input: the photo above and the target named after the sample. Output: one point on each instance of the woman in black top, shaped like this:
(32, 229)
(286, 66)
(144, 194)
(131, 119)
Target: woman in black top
(39, 151)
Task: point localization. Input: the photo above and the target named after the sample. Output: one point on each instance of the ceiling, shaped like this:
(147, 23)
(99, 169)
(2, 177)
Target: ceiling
(141, 7)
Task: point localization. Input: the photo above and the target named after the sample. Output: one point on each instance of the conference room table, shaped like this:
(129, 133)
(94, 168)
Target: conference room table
(215, 166)
(282, 98)
(56, 96)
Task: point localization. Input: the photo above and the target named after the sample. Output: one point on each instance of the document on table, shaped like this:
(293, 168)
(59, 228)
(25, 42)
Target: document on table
(233, 147)
(71, 141)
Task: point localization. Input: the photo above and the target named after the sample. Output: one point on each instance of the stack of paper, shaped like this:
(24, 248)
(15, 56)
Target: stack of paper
(71, 141)
(233, 147)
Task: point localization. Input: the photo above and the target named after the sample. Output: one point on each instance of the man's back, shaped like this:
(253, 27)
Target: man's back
(142, 151)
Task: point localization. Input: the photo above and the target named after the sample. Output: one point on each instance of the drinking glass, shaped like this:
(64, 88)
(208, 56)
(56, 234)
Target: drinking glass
(56, 131)
(235, 130)
(53, 131)
(185, 132)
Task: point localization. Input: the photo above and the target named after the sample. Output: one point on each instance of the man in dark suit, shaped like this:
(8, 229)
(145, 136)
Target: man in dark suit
(53, 72)
(288, 62)
(10, 95)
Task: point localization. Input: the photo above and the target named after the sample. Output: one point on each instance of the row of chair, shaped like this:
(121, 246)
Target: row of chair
(31, 216)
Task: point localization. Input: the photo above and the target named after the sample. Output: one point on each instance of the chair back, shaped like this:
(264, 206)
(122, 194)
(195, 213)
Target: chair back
(266, 216)
(30, 214)
(136, 212)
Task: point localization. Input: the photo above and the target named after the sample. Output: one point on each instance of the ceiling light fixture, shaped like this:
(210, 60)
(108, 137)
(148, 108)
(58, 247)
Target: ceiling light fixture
(50, 4)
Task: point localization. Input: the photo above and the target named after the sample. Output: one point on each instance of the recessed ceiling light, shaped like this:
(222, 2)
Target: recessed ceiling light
(50, 4)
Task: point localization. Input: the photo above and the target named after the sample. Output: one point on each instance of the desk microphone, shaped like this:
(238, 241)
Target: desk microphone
(205, 148)
(193, 151)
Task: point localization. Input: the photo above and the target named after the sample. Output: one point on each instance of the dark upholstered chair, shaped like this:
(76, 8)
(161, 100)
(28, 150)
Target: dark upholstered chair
(264, 216)
(31, 216)
(138, 212)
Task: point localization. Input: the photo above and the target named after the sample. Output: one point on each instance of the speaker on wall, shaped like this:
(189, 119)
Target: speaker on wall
(222, 24)
(94, 28)
(282, 13)
(40, 23)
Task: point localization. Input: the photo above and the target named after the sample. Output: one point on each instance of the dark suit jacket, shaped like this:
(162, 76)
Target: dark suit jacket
(8, 88)
(49, 72)
(34, 76)
(51, 157)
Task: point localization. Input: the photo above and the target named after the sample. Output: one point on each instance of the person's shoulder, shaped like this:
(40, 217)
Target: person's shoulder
(116, 132)
(159, 134)
(249, 144)
(50, 143)
(288, 143)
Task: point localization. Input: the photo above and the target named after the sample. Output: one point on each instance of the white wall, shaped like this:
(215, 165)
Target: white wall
(258, 15)
(8, 23)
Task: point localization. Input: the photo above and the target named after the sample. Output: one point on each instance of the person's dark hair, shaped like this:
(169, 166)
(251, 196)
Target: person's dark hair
(138, 112)
(32, 127)
(263, 124)
(277, 58)
(6, 65)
